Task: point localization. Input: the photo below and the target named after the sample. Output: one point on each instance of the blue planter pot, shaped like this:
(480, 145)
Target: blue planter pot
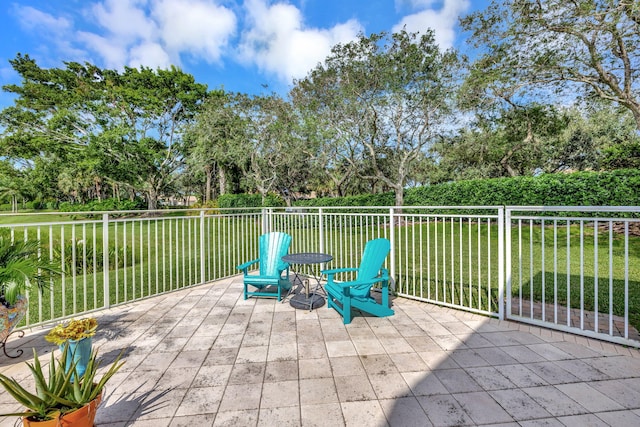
(79, 352)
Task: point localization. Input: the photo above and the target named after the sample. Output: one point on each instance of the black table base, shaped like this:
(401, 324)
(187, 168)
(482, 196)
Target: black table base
(303, 301)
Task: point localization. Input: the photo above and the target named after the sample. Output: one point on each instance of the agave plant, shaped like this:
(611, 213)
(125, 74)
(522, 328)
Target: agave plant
(55, 393)
(44, 404)
(20, 267)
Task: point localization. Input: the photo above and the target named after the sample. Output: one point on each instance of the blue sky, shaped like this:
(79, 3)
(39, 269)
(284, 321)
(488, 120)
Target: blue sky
(239, 45)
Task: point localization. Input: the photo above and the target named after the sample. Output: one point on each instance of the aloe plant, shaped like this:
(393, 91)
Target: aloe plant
(56, 394)
(44, 404)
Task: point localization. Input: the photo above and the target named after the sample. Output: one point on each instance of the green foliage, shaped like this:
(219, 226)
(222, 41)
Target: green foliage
(20, 267)
(382, 199)
(249, 201)
(382, 100)
(44, 404)
(98, 129)
(56, 394)
(620, 187)
(616, 188)
(624, 155)
(531, 48)
(103, 205)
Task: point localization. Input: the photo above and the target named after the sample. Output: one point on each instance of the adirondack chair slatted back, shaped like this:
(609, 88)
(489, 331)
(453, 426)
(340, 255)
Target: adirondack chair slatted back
(273, 246)
(375, 252)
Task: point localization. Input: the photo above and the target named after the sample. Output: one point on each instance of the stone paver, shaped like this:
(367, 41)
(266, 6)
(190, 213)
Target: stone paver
(204, 356)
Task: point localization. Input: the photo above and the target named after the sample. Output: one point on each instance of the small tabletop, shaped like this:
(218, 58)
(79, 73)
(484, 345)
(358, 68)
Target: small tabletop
(307, 258)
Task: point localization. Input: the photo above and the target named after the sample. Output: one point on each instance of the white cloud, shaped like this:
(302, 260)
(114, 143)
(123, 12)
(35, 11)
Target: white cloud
(126, 20)
(199, 27)
(278, 42)
(155, 33)
(30, 18)
(150, 55)
(113, 54)
(57, 31)
(442, 21)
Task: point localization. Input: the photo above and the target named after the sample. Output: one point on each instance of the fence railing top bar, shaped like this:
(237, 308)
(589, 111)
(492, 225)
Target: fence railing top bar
(365, 208)
(573, 208)
(447, 215)
(137, 212)
(571, 218)
(52, 223)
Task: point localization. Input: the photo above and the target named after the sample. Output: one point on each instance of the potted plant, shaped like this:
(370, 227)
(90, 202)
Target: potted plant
(59, 401)
(77, 334)
(20, 267)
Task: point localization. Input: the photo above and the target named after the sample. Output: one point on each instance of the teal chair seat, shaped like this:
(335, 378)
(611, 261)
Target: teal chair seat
(272, 271)
(356, 294)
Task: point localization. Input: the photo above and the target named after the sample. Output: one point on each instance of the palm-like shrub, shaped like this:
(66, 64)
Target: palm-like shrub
(21, 266)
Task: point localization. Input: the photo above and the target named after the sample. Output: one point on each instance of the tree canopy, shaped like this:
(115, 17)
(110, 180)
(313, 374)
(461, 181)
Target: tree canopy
(554, 89)
(558, 45)
(387, 98)
(102, 125)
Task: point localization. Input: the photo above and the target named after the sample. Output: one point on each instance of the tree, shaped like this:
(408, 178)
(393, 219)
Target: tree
(508, 141)
(123, 128)
(386, 98)
(542, 45)
(277, 160)
(218, 141)
(146, 114)
(13, 186)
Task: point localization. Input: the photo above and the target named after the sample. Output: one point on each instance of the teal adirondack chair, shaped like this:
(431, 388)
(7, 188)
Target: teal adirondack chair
(343, 296)
(273, 246)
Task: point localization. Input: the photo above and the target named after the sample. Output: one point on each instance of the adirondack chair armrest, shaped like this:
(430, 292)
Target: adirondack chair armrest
(244, 267)
(362, 282)
(337, 270)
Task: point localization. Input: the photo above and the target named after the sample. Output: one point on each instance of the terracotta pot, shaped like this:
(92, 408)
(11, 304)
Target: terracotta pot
(82, 417)
(26, 422)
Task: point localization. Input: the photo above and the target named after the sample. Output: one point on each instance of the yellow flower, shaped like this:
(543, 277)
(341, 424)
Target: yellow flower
(73, 330)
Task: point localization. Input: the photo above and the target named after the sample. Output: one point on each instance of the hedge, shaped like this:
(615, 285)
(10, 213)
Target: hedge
(615, 188)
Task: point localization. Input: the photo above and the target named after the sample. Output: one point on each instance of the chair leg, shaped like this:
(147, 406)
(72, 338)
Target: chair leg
(346, 310)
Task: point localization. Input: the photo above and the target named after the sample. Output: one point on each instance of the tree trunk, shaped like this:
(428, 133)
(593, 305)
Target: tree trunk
(152, 199)
(222, 180)
(208, 172)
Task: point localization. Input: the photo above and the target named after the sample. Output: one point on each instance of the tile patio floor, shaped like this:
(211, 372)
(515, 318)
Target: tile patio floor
(205, 357)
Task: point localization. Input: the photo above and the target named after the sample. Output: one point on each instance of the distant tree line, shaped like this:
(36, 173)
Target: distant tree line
(555, 89)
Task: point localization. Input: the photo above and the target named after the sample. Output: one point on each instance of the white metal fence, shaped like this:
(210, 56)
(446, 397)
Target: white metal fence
(575, 269)
(544, 266)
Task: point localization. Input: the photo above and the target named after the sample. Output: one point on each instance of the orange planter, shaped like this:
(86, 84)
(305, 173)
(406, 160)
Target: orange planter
(26, 422)
(82, 417)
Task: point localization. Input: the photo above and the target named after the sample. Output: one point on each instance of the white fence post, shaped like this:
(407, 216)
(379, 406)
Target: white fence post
(321, 230)
(501, 261)
(105, 260)
(392, 238)
(507, 260)
(203, 260)
(265, 221)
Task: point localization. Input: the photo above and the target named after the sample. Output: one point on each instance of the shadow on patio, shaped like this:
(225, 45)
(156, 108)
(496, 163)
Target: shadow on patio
(203, 356)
